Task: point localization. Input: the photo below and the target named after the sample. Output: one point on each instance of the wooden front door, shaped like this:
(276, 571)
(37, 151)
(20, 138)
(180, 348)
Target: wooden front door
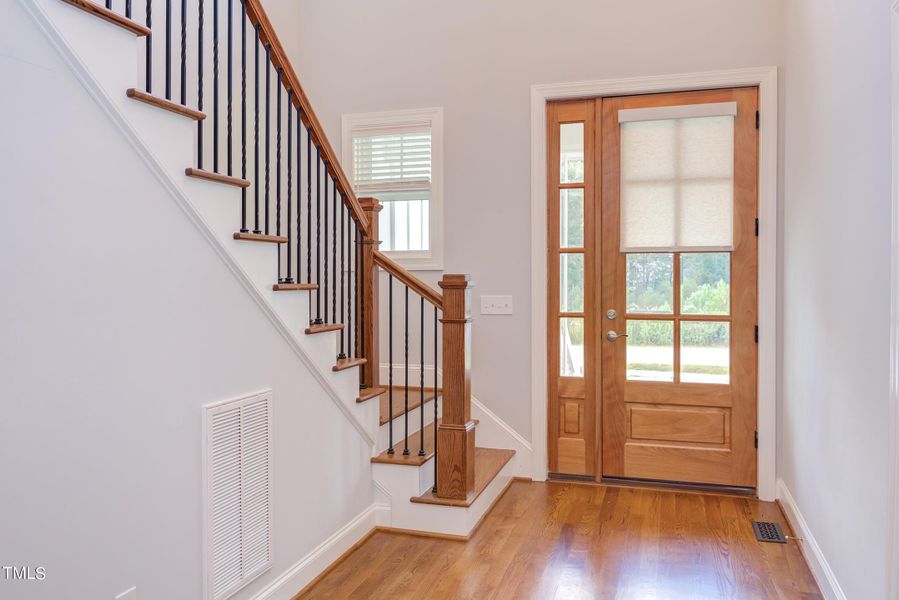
(679, 286)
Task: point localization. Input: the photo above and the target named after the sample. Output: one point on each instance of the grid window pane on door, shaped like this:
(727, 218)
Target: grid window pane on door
(396, 166)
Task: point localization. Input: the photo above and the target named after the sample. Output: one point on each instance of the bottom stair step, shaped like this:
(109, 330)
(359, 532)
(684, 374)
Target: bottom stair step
(488, 462)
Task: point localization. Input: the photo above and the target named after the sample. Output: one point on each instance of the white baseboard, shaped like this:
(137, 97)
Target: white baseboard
(298, 576)
(824, 575)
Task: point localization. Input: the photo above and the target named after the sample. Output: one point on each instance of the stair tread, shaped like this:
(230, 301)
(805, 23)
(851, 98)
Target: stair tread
(165, 104)
(398, 405)
(413, 459)
(323, 327)
(292, 287)
(348, 363)
(260, 237)
(110, 16)
(488, 462)
(369, 393)
(217, 177)
(414, 441)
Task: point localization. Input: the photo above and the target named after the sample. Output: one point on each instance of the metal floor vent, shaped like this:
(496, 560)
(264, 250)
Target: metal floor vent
(766, 531)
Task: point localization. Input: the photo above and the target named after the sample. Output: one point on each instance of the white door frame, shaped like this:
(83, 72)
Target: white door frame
(893, 540)
(766, 80)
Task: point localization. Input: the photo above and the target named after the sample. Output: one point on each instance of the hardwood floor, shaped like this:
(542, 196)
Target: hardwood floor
(575, 541)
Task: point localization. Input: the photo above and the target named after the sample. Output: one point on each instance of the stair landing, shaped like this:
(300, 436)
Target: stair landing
(488, 462)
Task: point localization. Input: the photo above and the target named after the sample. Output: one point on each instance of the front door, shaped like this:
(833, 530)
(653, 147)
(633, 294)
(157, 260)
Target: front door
(678, 293)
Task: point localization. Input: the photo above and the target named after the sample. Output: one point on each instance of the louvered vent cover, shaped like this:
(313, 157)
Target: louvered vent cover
(238, 493)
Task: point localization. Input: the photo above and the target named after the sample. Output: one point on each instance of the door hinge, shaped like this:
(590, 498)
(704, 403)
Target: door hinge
(758, 119)
(756, 227)
(756, 438)
(756, 334)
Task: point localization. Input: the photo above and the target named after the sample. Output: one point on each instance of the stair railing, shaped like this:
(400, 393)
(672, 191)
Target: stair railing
(265, 138)
(443, 333)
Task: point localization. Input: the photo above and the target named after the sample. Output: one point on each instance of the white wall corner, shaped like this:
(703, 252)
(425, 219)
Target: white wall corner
(817, 562)
(298, 576)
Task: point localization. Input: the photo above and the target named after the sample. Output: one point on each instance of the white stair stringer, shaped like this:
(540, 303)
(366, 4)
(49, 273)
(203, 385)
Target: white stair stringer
(104, 58)
(403, 482)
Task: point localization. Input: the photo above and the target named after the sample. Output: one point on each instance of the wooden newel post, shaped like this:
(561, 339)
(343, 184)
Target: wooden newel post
(455, 437)
(368, 375)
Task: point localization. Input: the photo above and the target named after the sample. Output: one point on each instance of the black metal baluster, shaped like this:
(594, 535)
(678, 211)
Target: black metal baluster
(406, 378)
(183, 50)
(256, 185)
(435, 398)
(200, 83)
(309, 212)
(288, 246)
(318, 232)
(278, 169)
(228, 113)
(361, 305)
(334, 252)
(421, 366)
(299, 180)
(149, 62)
(127, 8)
(215, 85)
(390, 449)
(243, 115)
(342, 354)
(109, 4)
(268, 106)
(327, 177)
(168, 49)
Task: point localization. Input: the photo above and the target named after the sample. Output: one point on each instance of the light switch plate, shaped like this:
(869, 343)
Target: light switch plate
(129, 594)
(496, 305)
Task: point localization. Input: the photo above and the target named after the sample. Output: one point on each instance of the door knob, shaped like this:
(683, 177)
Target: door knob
(612, 336)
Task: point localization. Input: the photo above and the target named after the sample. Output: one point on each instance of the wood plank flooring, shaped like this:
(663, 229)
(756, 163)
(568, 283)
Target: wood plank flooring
(575, 541)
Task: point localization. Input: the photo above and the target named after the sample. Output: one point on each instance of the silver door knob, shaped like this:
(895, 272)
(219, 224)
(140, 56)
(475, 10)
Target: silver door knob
(612, 336)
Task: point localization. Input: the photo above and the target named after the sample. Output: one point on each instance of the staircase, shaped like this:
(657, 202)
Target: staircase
(222, 117)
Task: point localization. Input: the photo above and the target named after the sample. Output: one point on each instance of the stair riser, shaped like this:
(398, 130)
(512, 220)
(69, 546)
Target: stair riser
(399, 431)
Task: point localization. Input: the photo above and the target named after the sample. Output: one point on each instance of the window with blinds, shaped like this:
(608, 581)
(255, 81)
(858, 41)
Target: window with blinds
(395, 165)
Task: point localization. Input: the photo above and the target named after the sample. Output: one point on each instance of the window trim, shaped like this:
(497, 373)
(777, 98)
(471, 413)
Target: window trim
(351, 123)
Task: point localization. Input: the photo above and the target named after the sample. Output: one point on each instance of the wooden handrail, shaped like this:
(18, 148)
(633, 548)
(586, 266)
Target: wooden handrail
(267, 35)
(418, 286)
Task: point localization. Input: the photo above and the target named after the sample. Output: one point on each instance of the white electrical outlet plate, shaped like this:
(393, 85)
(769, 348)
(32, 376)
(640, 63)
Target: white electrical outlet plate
(129, 594)
(496, 305)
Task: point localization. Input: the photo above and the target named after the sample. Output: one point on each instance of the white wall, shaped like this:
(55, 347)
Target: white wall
(119, 322)
(836, 260)
(478, 60)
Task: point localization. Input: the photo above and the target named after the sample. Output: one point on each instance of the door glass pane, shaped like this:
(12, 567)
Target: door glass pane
(650, 350)
(571, 279)
(571, 218)
(571, 343)
(571, 150)
(650, 283)
(705, 352)
(705, 283)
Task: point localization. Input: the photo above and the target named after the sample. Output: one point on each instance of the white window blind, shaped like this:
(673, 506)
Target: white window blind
(395, 164)
(677, 178)
(392, 160)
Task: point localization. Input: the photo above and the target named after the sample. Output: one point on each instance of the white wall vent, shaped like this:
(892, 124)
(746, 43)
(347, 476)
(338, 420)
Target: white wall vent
(238, 493)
